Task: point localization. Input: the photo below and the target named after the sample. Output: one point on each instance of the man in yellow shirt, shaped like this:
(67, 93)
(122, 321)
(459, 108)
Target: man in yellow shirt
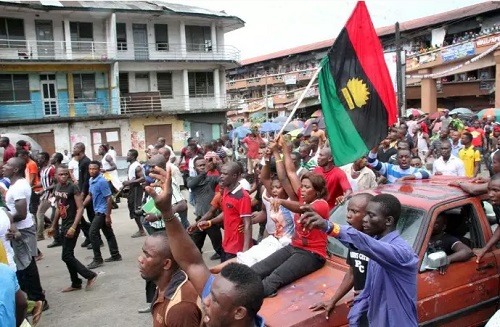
(470, 157)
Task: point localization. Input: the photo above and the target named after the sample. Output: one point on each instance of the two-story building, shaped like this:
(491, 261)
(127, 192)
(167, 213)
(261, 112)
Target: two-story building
(437, 46)
(116, 72)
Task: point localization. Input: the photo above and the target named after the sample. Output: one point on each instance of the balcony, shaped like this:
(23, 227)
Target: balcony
(451, 53)
(151, 102)
(52, 109)
(289, 78)
(132, 104)
(32, 50)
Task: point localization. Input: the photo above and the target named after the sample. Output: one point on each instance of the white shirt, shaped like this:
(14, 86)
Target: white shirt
(131, 169)
(245, 184)
(21, 189)
(4, 226)
(176, 174)
(112, 153)
(73, 165)
(66, 159)
(453, 167)
(172, 154)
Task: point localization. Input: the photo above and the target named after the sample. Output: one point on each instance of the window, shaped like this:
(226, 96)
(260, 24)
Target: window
(198, 38)
(121, 36)
(123, 83)
(165, 84)
(12, 33)
(161, 37)
(201, 84)
(14, 88)
(110, 136)
(141, 82)
(82, 35)
(84, 87)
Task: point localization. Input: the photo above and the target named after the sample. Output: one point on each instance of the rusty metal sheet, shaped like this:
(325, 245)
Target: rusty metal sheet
(291, 306)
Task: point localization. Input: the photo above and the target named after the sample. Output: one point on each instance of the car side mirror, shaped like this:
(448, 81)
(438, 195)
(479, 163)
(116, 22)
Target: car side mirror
(436, 260)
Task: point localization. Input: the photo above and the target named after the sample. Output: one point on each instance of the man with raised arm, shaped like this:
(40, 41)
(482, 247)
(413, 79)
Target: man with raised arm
(232, 298)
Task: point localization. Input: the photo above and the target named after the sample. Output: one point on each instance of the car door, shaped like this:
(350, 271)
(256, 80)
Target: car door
(467, 294)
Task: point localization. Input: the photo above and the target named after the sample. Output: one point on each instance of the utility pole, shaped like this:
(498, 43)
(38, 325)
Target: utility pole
(399, 75)
(265, 100)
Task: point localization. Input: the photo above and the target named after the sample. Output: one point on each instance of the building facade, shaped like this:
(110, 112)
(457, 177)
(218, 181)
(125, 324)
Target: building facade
(437, 45)
(117, 72)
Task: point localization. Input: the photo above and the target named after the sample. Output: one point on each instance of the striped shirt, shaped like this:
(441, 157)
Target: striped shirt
(311, 164)
(394, 172)
(46, 177)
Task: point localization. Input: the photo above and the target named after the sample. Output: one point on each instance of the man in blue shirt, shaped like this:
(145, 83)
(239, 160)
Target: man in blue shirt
(401, 171)
(100, 195)
(390, 293)
(13, 302)
(232, 298)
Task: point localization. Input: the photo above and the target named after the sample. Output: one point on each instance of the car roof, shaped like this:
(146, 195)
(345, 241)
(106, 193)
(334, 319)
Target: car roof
(423, 194)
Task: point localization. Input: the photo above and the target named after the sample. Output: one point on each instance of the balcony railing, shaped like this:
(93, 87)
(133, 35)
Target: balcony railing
(289, 78)
(148, 103)
(103, 51)
(131, 104)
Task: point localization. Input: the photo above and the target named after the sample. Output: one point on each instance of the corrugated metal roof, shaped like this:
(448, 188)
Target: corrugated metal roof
(156, 6)
(440, 18)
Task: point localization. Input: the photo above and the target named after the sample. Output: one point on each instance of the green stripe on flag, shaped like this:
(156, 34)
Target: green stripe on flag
(345, 142)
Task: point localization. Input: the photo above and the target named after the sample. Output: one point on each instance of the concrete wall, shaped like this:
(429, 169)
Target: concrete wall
(81, 132)
(138, 137)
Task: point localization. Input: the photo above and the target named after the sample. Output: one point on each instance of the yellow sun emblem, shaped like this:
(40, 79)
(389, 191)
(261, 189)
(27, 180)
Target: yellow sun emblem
(356, 93)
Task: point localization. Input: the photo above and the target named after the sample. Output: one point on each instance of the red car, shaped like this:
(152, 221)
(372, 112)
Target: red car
(467, 295)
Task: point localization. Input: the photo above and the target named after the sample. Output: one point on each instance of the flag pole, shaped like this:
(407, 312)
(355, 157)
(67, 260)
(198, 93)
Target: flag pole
(299, 101)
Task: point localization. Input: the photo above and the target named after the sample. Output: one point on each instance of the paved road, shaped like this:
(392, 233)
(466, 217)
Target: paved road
(119, 291)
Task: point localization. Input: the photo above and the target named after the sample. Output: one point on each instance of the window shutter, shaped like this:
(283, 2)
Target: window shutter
(21, 87)
(6, 91)
(165, 84)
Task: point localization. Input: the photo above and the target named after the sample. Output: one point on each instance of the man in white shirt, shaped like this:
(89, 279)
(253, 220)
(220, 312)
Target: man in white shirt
(447, 164)
(17, 200)
(73, 169)
(163, 143)
(66, 158)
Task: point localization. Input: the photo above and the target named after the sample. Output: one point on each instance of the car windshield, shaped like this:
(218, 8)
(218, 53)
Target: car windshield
(408, 225)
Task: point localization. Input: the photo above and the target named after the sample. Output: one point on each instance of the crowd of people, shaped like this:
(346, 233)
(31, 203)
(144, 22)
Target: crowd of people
(457, 39)
(288, 187)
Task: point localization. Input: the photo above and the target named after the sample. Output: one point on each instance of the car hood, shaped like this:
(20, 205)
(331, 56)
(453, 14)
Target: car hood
(291, 306)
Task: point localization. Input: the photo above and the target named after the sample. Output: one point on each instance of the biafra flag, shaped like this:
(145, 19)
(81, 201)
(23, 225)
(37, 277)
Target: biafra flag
(357, 95)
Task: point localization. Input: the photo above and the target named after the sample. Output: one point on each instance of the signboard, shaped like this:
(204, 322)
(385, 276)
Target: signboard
(390, 61)
(458, 52)
(291, 79)
(415, 62)
(487, 41)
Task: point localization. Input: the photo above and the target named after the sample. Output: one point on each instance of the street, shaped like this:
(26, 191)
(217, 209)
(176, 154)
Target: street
(119, 291)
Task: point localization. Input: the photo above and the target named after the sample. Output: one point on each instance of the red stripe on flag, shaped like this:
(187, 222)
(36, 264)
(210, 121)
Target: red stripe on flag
(369, 51)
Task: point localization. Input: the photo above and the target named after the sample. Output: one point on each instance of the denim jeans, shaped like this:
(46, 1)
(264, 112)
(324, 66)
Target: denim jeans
(75, 267)
(286, 266)
(98, 224)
